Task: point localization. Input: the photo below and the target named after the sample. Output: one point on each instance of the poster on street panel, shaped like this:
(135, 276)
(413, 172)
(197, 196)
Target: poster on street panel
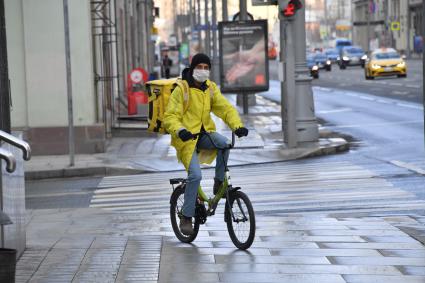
(243, 56)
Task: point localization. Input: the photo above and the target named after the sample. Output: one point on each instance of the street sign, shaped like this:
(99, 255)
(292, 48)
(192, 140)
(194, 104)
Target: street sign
(172, 40)
(263, 2)
(138, 76)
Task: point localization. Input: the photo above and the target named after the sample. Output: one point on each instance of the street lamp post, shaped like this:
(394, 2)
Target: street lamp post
(207, 31)
(198, 20)
(287, 85)
(307, 128)
(224, 10)
(243, 15)
(214, 39)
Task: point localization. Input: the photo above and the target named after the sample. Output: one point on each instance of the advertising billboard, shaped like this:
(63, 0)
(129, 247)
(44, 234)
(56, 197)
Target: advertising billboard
(244, 65)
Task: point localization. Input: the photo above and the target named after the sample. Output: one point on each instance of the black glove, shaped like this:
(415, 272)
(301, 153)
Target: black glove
(241, 132)
(185, 135)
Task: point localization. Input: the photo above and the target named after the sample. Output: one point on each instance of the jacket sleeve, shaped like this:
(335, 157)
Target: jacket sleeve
(174, 112)
(222, 108)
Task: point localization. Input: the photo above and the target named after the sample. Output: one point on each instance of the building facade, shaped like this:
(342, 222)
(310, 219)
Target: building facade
(386, 23)
(108, 38)
(37, 71)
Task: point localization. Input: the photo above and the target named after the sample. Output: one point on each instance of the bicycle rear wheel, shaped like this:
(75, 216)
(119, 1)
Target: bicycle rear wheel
(241, 226)
(176, 205)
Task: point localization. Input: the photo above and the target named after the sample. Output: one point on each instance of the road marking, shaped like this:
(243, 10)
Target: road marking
(396, 92)
(335, 111)
(395, 84)
(295, 188)
(414, 86)
(408, 166)
(366, 98)
(376, 124)
(376, 99)
(410, 106)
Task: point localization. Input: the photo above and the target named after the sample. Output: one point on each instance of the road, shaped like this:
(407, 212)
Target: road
(352, 79)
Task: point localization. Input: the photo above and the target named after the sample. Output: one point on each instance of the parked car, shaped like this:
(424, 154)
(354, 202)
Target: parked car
(352, 56)
(332, 54)
(385, 62)
(322, 61)
(341, 43)
(311, 64)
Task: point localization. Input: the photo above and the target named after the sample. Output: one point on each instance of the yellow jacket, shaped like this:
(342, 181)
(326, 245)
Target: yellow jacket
(198, 113)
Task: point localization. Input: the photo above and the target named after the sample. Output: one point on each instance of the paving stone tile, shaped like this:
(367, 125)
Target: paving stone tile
(74, 242)
(189, 258)
(412, 270)
(282, 269)
(398, 261)
(258, 232)
(139, 277)
(215, 251)
(390, 239)
(386, 279)
(376, 246)
(293, 278)
(404, 253)
(284, 227)
(51, 279)
(95, 276)
(381, 226)
(344, 239)
(325, 252)
(187, 277)
(197, 244)
(270, 244)
(236, 259)
(369, 232)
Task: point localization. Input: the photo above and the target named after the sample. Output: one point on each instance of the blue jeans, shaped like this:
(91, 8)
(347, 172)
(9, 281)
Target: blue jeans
(194, 172)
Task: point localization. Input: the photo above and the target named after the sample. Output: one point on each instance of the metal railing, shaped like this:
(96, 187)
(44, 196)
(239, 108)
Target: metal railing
(12, 192)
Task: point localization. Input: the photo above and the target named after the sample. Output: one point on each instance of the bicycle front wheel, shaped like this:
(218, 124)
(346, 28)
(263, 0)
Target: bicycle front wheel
(176, 205)
(241, 225)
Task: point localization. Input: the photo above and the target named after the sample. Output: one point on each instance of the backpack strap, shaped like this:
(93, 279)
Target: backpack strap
(211, 92)
(184, 86)
(211, 88)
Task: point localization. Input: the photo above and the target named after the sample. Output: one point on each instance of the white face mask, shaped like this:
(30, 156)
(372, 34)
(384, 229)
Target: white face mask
(201, 75)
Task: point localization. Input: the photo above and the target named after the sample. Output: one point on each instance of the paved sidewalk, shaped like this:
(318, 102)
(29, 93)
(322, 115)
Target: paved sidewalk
(152, 153)
(94, 245)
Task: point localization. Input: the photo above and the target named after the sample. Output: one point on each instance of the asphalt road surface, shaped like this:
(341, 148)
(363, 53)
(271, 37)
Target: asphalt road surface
(352, 79)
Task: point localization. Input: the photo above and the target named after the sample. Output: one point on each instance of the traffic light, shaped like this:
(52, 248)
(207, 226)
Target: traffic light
(288, 8)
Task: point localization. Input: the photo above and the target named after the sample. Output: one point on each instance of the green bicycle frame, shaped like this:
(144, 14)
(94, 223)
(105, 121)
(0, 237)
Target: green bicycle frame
(221, 192)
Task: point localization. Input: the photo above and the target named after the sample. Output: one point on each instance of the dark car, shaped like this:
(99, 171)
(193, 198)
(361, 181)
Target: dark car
(332, 54)
(352, 56)
(322, 61)
(311, 64)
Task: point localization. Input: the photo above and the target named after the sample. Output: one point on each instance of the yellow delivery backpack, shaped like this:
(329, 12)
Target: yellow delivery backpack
(159, 92)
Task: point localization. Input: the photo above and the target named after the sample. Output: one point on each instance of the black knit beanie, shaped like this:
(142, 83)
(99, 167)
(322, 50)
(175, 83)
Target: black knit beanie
(198, 59)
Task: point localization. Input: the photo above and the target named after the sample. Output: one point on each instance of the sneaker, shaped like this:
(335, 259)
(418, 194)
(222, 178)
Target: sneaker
(186, 225)
(217, 185)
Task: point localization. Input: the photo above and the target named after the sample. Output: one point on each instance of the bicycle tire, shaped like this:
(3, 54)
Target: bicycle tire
(176, 204)
(240, 198)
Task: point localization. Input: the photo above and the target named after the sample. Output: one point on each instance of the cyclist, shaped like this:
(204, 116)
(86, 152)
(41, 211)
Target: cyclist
(193, 150)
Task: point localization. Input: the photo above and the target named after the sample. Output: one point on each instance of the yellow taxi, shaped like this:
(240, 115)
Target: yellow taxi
(385, 62)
